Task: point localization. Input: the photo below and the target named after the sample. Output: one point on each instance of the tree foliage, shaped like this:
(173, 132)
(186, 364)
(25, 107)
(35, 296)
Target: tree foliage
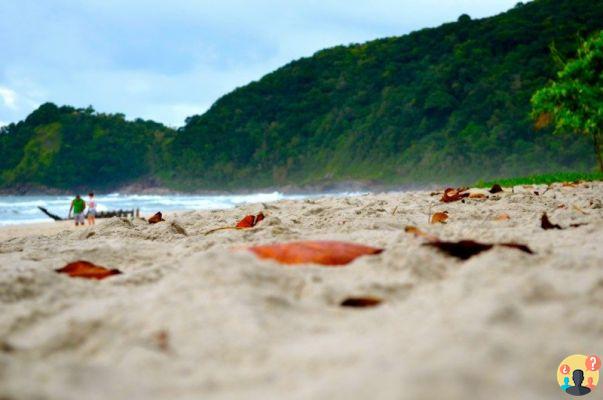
(65, 147)
(574, 100)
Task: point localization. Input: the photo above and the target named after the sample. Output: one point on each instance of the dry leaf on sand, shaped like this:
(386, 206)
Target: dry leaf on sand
(361, 302)
(331, 253)
(158, 217)
(87, 270)
(439, 217)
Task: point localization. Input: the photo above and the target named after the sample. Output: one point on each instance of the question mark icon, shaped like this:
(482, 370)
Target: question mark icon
(564, 369)
(593, 363)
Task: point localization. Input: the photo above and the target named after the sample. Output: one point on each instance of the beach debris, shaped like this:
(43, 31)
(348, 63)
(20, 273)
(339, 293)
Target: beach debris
(496, 188)
(158, 217)
(87, 270)
(546, 224)
(178, 229)
(419, 233)
(581, 211)
(249, 221)
(162, 340)
(465, 249)
(439, 217)
(395, 209)
(361, 302)
(478, 196)
(330, 253)
(503, 217)
(451, 195)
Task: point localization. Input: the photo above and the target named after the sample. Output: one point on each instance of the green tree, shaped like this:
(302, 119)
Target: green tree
(574, 101)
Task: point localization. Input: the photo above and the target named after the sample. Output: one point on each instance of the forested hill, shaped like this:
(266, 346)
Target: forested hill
(65, 147)
(442, 104)
(449, 103)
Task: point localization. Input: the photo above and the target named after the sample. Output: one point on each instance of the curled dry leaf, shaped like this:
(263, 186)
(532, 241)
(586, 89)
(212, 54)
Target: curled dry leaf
(479, 196)
(330, 253)
(250, 221)
(87, 270)
(496, 188)
(361, 302)
(546, 224)
(439, 217)
(451, 195)
(419, 233)
(158, 217)
(503, 217)
(465, 249)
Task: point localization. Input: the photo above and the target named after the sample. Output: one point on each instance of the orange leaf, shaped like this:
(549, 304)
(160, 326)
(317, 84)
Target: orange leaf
(319, 252)
(503, 217)
(250, 221)
(158, 217)
(439, 217)
(419, 233)
(451, 195)
(480, 196)
(359, 302)
(87, 270)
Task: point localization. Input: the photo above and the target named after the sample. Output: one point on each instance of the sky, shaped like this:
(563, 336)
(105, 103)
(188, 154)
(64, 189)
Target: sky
(167, 60)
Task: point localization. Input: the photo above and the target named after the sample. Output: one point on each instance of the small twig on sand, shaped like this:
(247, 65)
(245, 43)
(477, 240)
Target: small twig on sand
(429, 216)
(395, 209)
(547, 189)
(220, 229)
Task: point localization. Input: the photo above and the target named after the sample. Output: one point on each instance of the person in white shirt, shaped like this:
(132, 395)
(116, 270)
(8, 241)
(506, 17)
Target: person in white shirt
(91, 209)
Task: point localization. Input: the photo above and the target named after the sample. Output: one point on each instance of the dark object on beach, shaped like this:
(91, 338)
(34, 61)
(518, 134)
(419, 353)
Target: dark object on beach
(156, 218)
(87, 270)
(100, 214)
(250, 221)
(330, 253)
(466, 249)
(546, 224)
(51, 215)
(496, 188)
(361, 302)
(451, 195)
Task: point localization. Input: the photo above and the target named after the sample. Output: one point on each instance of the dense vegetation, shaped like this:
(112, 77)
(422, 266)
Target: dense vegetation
(450, 103)
(445, 104)
(65, 147)
(574, 101)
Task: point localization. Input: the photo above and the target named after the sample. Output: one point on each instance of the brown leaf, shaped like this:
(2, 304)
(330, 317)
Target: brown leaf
(158, 217)
(87, 270)
(465, 249)
(503, 217)
(439, 217)
(319, 252)
(496, 188)
(480, 196)
(543, 120)
(419, 233)
(546, 224)
(361, 302)
(451, 195)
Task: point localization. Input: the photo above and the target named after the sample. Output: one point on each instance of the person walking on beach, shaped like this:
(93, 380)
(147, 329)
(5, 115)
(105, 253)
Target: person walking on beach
(78, 205)
(91, 215)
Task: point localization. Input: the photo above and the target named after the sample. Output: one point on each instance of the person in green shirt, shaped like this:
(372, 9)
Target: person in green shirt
(78, 205)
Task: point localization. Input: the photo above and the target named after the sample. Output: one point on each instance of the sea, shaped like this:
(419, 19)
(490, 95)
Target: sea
(24, 209)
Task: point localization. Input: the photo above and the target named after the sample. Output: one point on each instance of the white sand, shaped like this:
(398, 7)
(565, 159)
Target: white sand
(191, 318)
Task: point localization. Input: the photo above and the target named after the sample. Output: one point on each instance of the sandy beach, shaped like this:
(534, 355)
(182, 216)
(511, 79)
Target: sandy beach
(197, 316)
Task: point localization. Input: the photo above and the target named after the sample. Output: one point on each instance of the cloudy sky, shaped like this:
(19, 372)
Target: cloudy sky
(166, 60)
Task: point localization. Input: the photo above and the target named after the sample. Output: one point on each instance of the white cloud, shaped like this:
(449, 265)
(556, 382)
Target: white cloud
(9, 97)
